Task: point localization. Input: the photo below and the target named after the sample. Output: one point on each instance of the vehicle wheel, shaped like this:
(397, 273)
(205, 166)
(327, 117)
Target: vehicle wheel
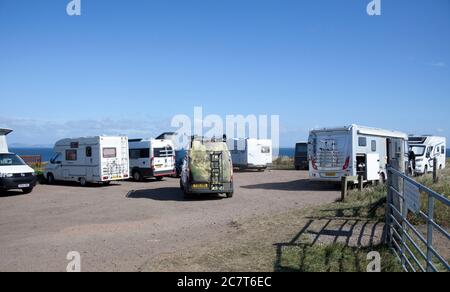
(426, 170)
(106, 183)
(297, 167)
(230, 195)
(27, 190)
(137, 176)
(440, 167)
(181, 185)
(50, 179)
(382, 179)
(187, 195)
(261, 169)
(83, 182)
(159, 178)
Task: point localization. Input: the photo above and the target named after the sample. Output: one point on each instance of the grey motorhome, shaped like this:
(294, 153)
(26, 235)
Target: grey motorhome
(350, 151)
(100, 159)
(14, 172)
(426, 149)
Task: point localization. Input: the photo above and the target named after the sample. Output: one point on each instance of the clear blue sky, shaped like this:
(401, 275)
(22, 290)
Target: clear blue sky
(128, 66)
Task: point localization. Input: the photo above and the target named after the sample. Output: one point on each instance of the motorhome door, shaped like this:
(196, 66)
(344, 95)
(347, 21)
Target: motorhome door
(373, 166)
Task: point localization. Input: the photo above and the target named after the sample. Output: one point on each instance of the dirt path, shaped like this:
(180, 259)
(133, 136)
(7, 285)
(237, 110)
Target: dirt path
(125, 226)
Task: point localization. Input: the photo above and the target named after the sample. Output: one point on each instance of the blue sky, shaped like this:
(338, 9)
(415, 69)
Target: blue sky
(126, 67)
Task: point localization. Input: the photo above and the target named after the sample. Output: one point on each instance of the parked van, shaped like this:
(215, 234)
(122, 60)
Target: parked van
(151, 158)
(350, 151)
(425, 149)
(251, 153)
(207, 168)
(86, 160)
(301, 156)
(15, 174)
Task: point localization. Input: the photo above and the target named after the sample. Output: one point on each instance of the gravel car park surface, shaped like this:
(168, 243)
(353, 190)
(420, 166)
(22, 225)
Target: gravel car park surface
(121, 227)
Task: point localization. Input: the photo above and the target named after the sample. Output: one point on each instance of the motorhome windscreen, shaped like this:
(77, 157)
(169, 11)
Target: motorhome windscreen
(418, 150)
(10, 160)
(163, 152)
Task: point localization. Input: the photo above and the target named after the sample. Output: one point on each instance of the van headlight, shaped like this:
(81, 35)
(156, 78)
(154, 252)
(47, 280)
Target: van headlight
(6, 175)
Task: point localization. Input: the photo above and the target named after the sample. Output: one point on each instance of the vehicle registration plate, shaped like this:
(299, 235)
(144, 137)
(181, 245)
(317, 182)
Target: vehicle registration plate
(200, 186)
(24, 186)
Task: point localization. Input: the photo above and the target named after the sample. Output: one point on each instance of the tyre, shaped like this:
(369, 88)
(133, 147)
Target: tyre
(297, 167)
(137, 176)
(83, 182)
(425, 170)
(181, 185)
(27, 190)
(382, 179)
(50, 179)
(106, 183)
(230, 194)
(159, 178)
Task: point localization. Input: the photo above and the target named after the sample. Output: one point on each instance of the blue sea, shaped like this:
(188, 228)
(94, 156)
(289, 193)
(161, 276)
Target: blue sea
(46, 153)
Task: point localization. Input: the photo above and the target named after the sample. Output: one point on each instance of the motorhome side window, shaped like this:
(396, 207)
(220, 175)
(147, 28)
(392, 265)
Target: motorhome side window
(442, 150)
(71, 155)
(139, 153)
(362, 142)
(374, 146)
(265, 149)
(88, 151)
(109, 153)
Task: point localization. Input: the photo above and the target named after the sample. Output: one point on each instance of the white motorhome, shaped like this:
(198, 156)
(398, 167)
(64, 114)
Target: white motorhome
(251, 153)
(425, 149)
(15, 174)
(350, 151)
(151, 158)
(100, 159)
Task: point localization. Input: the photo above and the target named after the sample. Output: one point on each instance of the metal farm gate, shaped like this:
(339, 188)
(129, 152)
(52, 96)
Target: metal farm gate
(414, 244)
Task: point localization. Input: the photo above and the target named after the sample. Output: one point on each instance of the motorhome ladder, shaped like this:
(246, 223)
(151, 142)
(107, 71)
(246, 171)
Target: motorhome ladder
(216, 171)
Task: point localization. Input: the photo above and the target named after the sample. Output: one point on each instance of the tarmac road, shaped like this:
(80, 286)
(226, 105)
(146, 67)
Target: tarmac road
(121, 227)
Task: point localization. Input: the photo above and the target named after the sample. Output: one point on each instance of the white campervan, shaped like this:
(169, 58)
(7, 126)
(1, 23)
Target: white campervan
(14, 172)
(251, 153)
(350, 151)
(100, 159)
(425, 149)
(151, 158)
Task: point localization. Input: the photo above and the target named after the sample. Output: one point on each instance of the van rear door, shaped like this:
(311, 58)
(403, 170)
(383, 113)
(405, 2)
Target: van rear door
(163, 158)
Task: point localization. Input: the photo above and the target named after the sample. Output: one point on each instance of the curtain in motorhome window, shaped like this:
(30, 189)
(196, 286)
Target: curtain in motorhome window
(71, 155)
(109, 153)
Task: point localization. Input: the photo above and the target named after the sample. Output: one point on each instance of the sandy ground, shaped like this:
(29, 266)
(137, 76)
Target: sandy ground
(124, 226)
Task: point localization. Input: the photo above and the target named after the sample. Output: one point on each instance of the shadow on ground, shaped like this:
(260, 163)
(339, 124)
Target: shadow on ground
(296, 185)
(331, 243)
(168, 194)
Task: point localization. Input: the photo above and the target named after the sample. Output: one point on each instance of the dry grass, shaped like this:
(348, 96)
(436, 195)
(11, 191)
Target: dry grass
(283, 163)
